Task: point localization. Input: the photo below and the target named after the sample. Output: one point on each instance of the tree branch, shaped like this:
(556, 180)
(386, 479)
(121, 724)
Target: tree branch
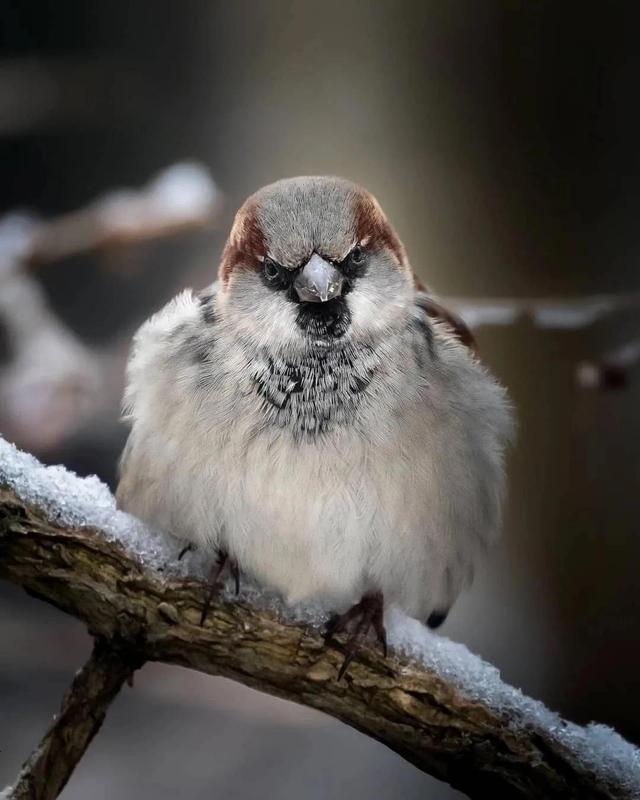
(552, 313)
(84, 706)
(609, 371)
(483, 751)
(612, 369)
(181, 198)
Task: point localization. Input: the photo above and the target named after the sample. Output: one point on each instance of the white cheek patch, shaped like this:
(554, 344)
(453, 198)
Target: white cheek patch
(260, 315)
(379, 301)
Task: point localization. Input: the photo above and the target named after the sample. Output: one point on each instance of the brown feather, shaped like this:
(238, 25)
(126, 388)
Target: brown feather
(434, 309)
(246, 247)
(373, 227)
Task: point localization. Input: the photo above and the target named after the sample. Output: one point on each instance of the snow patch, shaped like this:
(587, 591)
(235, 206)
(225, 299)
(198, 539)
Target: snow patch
(180, 194)
(84, 503)
(610, 757)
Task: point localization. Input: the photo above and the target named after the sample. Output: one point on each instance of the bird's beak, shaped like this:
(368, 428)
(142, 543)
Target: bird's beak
(318, 281)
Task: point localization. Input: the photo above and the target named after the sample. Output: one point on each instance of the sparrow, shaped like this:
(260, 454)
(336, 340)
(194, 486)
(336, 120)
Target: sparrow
(318, 418)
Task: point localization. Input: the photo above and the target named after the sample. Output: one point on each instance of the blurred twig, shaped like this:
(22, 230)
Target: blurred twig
(542, 312)
(609, 371)
(415, 711)
(51, 382)
(612, 369)
(181, 198)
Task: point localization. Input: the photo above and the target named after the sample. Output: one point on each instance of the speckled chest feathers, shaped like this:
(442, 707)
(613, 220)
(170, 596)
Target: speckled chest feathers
(316, 392)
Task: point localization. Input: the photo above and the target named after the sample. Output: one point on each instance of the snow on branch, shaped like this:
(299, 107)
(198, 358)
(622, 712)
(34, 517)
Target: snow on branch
(182, 197)
(50, 381)
(542, 312)
(433, 702)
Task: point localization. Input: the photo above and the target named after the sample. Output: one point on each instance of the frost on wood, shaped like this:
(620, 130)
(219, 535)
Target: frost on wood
(600, 747)
(80, 503)
(442, 707)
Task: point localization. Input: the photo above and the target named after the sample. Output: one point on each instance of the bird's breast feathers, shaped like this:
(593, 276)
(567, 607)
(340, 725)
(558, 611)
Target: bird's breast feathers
(321, 471)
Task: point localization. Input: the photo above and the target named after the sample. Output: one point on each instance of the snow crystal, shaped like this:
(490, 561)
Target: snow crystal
(83, 503)
(87, 502)
(610, 757)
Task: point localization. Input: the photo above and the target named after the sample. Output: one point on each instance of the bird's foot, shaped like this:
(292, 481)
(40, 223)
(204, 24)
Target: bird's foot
(213, 581)
(358, 621)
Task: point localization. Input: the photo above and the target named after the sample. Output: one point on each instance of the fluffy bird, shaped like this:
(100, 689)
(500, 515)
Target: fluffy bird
(317, 418)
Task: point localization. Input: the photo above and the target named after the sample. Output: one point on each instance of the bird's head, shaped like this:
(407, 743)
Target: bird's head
(314, 260)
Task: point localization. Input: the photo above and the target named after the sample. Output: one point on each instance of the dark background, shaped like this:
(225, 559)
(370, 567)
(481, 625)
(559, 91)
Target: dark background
(502, 140)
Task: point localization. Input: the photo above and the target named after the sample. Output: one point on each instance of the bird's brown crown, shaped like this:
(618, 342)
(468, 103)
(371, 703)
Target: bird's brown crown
(290, 219)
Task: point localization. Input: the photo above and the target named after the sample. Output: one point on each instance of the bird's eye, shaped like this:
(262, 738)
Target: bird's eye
(355, 263)
(271, 270)
(275, 275)
(356, 256)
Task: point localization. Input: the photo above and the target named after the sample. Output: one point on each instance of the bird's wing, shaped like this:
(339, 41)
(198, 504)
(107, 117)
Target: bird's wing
(170, 352)
(474, 426)
(434, 309)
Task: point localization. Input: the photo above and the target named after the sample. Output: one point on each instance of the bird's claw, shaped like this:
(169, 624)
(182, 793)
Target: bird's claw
(213, 584)
(368, 613)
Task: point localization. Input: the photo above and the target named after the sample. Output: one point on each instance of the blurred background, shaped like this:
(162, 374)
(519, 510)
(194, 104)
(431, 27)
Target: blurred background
(502, 140)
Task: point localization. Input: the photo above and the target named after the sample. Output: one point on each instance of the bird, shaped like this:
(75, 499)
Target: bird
(317, 418)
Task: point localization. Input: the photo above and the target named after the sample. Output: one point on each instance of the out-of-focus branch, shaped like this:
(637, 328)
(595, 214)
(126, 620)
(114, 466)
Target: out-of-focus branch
(612, 369)
(50, 381)
(181, 198)
(542, 312)
(418, 712)
(609, 371)
(46, 772)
